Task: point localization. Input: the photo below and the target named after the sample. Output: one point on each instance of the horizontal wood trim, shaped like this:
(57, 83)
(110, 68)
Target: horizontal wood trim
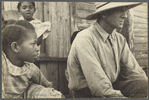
(140, 26)
(140, 14)
(143, 62)
(140, 20)
(50, 59)
(140, 40)
(141, 55)
(140, 32)
(140, 47)
(141, 8)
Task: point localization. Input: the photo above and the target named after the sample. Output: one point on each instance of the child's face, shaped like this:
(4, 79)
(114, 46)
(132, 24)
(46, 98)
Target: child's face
(28, 50)
(27, 10)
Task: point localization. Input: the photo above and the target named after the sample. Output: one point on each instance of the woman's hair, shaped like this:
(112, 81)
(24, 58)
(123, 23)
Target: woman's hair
(15, 32)
(19, 5)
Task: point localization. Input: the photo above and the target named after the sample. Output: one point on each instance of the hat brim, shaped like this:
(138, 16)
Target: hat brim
(109, 6)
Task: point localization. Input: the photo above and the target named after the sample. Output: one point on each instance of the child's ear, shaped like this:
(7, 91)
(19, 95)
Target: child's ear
(18, 10)
(14, 47)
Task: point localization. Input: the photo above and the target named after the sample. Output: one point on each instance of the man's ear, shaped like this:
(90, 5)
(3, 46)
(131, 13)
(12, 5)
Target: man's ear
(15, 47)
(103, 15)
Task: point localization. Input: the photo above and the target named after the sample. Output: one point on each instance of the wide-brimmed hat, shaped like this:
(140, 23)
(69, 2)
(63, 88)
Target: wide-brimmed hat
(104, 6)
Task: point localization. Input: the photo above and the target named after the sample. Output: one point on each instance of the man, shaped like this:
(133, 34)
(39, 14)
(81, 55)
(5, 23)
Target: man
(100, 63)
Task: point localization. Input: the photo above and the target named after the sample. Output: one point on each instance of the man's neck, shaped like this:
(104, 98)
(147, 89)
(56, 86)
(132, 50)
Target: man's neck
(108, 28)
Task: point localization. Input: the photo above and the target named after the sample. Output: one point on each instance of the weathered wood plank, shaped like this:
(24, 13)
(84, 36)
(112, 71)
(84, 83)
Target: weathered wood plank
(11, 14)
(67, 29)
(73, 17)
(140, 14)
(141, 8)
(140, 40)
(140, 32)
(50, 59)
(141, 55)
(10, 5)
(59, 29)
(140, 47)
(143, 62)
(63, 83)
(46, 11)
(83, 25)
(39, 11)
(52, 40)
(52, 73)
(140, 20)
(140, 26)
(82, 20)
(43, 68)
(86, 6)
(49, 40)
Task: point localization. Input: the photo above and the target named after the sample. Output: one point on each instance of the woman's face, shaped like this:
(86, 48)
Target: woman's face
(27, 10)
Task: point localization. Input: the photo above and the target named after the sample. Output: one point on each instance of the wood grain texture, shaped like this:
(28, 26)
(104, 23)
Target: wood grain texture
(43, 68)
(39, 11)
(52, 74)
(63, 83)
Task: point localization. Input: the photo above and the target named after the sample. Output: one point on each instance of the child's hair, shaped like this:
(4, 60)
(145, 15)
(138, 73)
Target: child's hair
(19, 5)
(7, 22)
(15, 32)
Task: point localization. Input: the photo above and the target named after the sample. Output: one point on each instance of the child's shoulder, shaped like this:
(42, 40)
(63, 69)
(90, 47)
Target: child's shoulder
(32, 66)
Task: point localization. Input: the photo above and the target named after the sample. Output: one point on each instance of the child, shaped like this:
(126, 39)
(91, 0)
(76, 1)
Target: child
(20, 77)
(27, 10)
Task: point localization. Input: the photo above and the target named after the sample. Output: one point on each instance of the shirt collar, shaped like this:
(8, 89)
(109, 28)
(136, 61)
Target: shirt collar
(103, 33)
(15, 70)
(22, 18)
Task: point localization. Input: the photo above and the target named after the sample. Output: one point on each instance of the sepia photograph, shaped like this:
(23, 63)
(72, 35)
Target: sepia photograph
(74, 49)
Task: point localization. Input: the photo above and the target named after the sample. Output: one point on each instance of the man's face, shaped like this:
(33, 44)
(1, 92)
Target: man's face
(27, 10)
(115, 17)
(28, 50)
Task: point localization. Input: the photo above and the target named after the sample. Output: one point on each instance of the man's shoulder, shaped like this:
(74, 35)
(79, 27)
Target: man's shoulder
(88, 32)
(120, 37)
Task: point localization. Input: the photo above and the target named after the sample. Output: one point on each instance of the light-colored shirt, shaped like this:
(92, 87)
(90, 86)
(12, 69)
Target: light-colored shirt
(91, 62)
(41, 28)
(15, 80)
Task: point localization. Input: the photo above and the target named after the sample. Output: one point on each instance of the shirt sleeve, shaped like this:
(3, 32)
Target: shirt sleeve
(96, 78)
(130, 68)
(39, 78)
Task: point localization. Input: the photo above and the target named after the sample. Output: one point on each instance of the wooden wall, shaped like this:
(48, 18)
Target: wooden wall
(67, 17)
(141, 34)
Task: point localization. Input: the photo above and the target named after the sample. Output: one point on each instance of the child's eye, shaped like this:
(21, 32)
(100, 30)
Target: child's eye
(24, 7)
(33, 44)
(30, 7)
